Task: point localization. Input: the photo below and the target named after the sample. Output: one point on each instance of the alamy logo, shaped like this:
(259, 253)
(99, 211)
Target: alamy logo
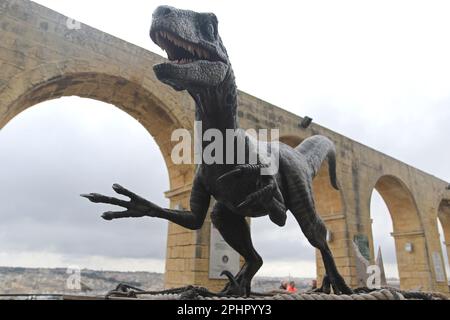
(235, 147)
(374, 279)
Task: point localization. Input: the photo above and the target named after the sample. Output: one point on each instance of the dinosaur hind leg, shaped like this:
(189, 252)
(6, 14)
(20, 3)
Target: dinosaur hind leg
(303, 208)
(236, 232)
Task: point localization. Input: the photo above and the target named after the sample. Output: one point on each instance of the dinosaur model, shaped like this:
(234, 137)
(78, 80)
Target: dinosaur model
(199, 63)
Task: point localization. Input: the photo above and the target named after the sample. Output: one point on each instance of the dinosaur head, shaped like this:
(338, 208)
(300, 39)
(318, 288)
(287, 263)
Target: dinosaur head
(197, 57)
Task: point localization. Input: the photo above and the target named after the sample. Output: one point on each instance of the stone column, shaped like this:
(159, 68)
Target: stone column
(412, 260)
(187, 257)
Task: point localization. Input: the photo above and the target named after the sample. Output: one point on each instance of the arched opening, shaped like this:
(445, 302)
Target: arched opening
(410, 246)
(51, 153)
(444, 231)
(383, 242)
(154, 118)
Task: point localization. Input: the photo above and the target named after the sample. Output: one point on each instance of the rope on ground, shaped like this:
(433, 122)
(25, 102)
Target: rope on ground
(383, 294)
(200, 293)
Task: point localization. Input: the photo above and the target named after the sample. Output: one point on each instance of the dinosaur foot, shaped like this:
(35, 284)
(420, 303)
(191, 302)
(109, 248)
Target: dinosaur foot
(339, 287)
(236, 287)
(326, 286)
(342, 288)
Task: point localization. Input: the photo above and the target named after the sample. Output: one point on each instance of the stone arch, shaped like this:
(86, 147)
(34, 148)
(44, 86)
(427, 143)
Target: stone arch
(140, 98)
(408, 232)
(137, 92)
(444, 218)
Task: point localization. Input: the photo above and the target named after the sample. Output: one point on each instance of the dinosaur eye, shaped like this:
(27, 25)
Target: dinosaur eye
(209, 31)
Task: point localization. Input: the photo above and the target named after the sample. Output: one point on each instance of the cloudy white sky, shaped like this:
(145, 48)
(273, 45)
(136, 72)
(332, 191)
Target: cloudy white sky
(377, 72)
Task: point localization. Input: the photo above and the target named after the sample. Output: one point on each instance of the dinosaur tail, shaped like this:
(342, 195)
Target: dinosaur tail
(316, 149)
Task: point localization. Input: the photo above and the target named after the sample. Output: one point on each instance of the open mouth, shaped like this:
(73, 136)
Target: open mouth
(180, 51)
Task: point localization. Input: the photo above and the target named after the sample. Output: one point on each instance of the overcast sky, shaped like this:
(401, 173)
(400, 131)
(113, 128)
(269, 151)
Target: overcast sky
(377, 72)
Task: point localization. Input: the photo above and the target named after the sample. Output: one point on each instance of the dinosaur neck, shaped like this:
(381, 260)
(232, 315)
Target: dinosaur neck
(216, 107)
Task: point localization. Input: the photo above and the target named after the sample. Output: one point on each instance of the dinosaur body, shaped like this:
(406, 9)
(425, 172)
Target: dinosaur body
(199, 64)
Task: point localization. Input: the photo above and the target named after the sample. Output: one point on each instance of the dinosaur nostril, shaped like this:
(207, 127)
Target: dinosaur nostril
(163, 11)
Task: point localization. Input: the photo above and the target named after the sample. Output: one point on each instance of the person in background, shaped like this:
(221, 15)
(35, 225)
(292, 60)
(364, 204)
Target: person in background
(314, 284)
(291, 287)
(283, 285)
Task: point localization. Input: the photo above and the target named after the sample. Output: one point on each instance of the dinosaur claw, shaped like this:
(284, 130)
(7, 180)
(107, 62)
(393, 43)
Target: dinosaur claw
(117, 186)
(231, 278)
(108, 216)
(235, 287)
(93, 197)
(244, 203)
(230, 173)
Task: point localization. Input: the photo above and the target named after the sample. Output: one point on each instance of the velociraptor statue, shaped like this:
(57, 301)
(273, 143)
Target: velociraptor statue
(198, 63)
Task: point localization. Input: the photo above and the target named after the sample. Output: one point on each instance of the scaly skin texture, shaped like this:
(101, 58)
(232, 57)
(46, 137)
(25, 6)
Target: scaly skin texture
(198, 63)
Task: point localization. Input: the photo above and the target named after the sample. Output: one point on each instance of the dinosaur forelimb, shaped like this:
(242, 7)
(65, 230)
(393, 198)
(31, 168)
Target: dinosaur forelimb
(235, 287)
(137, 206)
(267, 191)
(277, 211)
